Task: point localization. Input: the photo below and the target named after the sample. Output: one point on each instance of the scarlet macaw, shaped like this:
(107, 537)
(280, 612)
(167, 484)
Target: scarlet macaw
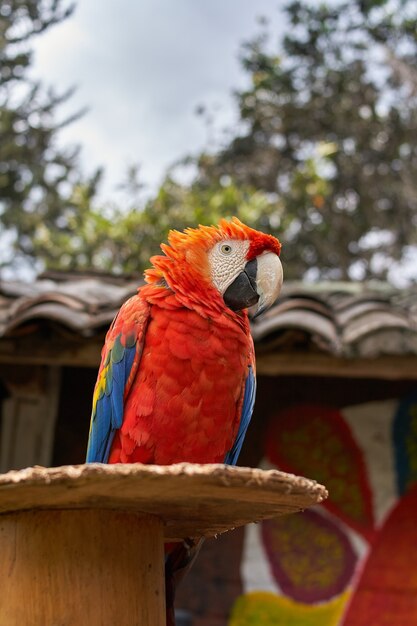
(177, 375)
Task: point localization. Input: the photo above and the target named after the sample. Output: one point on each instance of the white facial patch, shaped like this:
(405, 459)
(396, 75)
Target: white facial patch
(227, 259)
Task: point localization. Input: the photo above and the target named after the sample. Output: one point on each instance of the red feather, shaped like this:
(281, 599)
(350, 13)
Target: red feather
(184, 403)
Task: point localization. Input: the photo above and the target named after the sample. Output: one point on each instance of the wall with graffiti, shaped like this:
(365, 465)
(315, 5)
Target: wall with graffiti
(353, 560)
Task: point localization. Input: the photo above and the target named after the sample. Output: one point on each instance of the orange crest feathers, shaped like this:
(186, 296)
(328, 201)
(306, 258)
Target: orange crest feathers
(186, 245)
(184, 264)
(191, 245)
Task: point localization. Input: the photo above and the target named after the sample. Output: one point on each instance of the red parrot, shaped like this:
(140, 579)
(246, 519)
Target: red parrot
(177, 374)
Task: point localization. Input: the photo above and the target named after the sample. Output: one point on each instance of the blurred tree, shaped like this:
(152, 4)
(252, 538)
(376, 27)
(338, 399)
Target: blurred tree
(36, 176)
(117, 240)
(325, 155)
(330, 126)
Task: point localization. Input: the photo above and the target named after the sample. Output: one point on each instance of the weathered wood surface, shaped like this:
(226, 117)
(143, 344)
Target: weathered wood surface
(33, 350)
(269, 362)
(316, 364)
(62, 320)
(74, 568)
(29, 415)
(191, 500)
(84, 544)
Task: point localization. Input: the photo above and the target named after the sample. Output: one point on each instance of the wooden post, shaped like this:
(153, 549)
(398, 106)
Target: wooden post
(74, 567)
(84, 545)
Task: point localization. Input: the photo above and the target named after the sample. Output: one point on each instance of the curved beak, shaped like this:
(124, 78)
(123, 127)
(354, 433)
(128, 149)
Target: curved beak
(259, 284)
(269, 281)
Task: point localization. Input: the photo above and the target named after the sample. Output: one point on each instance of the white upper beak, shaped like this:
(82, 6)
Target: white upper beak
(269, 279)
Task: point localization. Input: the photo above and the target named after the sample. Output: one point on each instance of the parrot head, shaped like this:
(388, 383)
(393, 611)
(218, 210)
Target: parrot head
(229, 265)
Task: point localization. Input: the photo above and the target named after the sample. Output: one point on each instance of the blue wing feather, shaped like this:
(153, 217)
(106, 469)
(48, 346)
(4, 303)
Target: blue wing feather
(120, 362)
(247, 410)
(108, 415)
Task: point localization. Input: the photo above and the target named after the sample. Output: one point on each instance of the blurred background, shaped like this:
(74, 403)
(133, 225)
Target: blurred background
(121, 121)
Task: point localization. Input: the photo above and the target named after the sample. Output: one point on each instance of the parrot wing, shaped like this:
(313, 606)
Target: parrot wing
(120, 360)
(245, 416)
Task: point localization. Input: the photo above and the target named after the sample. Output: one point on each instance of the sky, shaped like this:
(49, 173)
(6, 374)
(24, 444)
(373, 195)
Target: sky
(142, 68)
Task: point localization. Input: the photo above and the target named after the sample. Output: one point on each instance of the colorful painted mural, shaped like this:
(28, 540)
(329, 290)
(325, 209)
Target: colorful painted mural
(351, 561)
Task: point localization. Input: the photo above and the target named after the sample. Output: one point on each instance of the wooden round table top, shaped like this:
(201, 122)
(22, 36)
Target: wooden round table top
(192, 500)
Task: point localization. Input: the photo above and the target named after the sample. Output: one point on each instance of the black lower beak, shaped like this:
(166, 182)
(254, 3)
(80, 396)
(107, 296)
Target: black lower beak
(242, 293)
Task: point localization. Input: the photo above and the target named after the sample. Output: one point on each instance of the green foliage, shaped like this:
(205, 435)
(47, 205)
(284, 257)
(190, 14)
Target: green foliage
(117, 240)
(36, 176)
(330, 126)
(20, 20)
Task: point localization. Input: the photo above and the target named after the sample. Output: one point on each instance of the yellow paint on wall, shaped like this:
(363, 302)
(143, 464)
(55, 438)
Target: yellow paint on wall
(262, 608)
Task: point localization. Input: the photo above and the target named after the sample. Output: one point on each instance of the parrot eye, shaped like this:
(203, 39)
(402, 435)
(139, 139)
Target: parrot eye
(226, 249)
